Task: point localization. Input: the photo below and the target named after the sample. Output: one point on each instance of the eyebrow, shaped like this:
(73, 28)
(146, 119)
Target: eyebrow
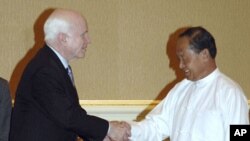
(84, 33)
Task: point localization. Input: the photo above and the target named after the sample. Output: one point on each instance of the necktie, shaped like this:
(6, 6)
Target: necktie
(70, 74)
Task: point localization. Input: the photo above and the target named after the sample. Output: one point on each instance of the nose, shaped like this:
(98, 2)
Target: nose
(181, 65)
(87, 39)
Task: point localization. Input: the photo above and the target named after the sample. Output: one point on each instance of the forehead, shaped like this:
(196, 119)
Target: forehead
(80, 26)
(182, 44)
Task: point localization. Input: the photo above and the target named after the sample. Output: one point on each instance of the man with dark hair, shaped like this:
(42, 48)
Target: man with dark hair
(199, 39)
(203, 105)
(5, 110)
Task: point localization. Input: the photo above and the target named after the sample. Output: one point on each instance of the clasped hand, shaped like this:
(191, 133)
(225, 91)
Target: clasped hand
(118, 131)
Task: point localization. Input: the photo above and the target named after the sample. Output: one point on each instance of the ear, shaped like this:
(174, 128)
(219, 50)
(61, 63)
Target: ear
(205, 54)
(62, 38)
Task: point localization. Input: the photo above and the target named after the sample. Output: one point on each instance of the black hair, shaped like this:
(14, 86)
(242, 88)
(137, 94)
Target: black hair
(199, 39)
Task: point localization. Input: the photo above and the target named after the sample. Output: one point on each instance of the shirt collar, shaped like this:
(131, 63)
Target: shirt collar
(205, 80)
(61, 58)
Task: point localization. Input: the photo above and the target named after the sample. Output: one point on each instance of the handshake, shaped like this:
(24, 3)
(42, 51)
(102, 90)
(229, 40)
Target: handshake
(118, 131)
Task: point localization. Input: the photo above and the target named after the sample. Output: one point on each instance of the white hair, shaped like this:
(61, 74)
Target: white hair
(53, 26)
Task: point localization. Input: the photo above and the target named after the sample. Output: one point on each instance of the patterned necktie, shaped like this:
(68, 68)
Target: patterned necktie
(70, 75)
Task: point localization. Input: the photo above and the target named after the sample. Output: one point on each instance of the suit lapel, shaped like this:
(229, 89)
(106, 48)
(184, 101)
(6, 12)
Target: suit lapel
(66, 79)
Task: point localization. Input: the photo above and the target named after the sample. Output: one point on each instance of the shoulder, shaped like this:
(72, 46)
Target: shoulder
(3, 80)
(226, 82)
(230, 89)
(181, 85)
(45, 59)
(4, 89)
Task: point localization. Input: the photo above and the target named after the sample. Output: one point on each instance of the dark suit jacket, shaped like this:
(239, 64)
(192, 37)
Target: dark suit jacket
(47, 106)
(5, 110)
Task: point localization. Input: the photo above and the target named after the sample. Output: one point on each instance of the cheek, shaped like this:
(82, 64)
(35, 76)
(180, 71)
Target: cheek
(191, 62)
(76, 45)
(196, 68)
(80, 43)
(187, 62)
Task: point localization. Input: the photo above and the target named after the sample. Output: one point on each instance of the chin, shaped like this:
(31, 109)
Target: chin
(188, 78)
(81, 55)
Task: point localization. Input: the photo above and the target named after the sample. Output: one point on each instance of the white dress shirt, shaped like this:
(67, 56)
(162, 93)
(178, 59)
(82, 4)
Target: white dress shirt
(195, 111)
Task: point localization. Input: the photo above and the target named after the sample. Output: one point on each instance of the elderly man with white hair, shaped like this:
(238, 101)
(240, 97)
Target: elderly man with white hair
(47, 106)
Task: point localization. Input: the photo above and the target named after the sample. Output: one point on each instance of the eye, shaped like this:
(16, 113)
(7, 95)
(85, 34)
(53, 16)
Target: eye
(84, 33)
(180, 56)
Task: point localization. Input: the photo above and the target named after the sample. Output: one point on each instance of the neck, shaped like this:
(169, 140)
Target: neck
(209, 69)
(58, 49)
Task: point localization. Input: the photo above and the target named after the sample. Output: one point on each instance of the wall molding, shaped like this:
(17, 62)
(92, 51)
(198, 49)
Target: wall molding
(120, 109)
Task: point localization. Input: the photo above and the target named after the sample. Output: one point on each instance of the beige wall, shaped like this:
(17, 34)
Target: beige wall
(130, 56)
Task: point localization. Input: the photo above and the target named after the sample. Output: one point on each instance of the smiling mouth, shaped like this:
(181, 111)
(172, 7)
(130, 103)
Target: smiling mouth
(186, 72)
